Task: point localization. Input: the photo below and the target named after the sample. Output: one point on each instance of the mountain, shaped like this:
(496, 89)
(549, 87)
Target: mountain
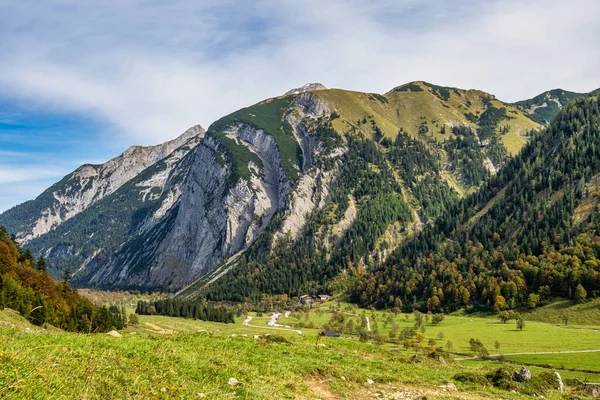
(531, 232)
(86, 186)
(328, 172)
(306, 88)
(544, 107)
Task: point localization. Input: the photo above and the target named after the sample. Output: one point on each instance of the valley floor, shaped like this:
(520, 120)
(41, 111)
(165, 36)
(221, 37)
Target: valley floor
(174, 358)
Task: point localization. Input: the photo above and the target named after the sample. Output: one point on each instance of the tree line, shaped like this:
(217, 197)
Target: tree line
(198, 309)
(26, 287)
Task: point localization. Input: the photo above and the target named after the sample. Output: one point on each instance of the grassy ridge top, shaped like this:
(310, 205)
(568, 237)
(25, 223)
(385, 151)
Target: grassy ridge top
(416, 105)
(421, 109)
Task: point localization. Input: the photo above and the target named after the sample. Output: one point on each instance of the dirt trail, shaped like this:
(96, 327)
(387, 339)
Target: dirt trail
(247, 323)
(323, 391)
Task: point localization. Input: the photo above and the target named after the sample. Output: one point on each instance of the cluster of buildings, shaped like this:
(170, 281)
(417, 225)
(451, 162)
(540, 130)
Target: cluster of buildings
(311, 299)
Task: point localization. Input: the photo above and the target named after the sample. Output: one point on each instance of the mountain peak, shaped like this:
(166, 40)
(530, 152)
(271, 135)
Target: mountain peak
(306, 88)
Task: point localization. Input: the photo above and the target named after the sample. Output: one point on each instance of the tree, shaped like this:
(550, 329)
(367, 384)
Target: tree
(449, 345)
(565, 318)
(504, 316)
(437, 319)
(580, 294)
(418, 319)
(497, 345)
(520, 322)
(133, 319)
(41, 264)
(66, 277)
(532, 300)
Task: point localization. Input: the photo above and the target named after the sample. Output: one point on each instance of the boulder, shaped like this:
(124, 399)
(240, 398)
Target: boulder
(450, 386)
(561, 385)
(523, 375)
(233, 382)
(113, 334)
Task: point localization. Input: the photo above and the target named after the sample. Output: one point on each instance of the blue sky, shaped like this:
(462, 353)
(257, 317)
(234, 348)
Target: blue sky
(82, 81)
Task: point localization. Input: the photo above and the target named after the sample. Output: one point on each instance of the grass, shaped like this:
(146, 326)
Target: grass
(166, 357)
(586, 314)
(267, 115)
(185, 365)
(581, 361)
(537, 336)
(417, 103)
(241, 157)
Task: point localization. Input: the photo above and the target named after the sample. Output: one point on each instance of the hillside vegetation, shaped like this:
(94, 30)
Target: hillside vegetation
(526, 246)
(25, 286)
(514, 243)
(163, 357)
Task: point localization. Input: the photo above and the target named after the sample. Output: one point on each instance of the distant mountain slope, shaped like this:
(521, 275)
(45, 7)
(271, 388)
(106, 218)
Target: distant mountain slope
(529, 234)
(544, 107)
(366, 171)
(326, 172)
(86, 186)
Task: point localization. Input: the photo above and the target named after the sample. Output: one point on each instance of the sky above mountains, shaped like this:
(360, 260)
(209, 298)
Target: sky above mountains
(82, 81)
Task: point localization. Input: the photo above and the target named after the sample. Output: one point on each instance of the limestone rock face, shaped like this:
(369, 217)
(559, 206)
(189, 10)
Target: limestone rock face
(305, 88)
(89, 184)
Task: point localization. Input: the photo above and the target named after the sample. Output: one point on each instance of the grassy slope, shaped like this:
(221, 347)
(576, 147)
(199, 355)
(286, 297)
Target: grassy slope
(267, 115)
(183, 365)
(584, 314)
(406, 109)
(396, 109)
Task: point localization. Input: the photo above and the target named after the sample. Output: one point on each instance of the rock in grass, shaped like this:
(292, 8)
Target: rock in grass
(113, 334)
(233, 382)
(561, 385)
(370, 381)
(523, 375)
(450, 386)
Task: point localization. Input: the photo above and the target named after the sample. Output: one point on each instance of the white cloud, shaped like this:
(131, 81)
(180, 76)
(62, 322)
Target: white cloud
(26, 174)
(18, 184)
(153, 69)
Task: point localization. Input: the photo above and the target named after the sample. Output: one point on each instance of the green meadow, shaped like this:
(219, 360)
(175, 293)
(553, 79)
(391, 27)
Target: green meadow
(175, 358)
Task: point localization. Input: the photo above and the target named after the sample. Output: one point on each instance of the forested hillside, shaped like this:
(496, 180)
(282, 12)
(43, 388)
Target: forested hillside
(545, 106)
(26, 287)
(301, 181)
(529, 234)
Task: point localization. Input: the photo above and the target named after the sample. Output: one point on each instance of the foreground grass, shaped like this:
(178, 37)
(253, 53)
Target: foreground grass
(166, 358)
(66, 365)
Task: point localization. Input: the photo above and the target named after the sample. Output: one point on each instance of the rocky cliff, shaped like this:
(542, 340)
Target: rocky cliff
(293, 169)
(86, 186)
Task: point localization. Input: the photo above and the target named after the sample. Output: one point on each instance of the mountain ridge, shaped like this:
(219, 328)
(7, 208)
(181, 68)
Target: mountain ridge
(86, 185)
(270, 174)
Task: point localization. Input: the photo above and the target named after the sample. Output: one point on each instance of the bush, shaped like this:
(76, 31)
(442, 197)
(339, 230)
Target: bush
(470, 377)
(277, 339)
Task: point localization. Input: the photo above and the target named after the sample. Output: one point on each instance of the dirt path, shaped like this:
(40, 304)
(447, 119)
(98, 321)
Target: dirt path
(247, 323)
(323, 391)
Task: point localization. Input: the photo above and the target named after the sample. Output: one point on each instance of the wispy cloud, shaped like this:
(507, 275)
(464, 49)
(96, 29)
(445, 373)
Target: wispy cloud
(150, 69)
(28, 174)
